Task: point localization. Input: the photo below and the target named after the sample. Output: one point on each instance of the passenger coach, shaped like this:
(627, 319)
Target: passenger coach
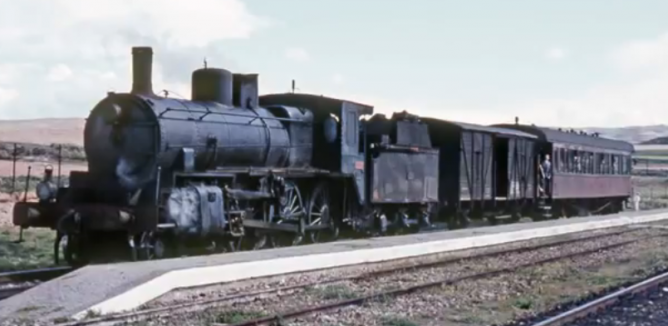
(591, 175)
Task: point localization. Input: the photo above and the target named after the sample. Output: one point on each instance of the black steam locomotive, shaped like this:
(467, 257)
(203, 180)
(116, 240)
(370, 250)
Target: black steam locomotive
(230, 165)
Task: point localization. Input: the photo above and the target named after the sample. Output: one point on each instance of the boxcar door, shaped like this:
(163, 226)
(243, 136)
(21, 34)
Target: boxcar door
(352, 154)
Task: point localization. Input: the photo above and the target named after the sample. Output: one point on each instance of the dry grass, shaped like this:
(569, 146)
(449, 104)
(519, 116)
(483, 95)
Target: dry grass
(653, 191)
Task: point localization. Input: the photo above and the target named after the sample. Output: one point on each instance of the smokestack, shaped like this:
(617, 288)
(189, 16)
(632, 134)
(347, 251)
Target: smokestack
(142, 66)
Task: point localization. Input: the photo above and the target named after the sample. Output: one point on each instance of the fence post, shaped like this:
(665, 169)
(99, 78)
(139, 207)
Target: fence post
(60, 160)
(14, 154)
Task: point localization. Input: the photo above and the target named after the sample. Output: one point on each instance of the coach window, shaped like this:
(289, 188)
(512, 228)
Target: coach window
(555, 160)
(615, 165)
(623, 164)
(585, 162)
(562, 160)
(590, 168)
(601, 163)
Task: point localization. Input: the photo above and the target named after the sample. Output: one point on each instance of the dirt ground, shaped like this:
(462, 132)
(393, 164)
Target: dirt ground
(38, 168)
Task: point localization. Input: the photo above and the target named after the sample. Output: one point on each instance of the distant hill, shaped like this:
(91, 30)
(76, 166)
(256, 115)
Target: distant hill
(635, 134)
(43, 131)
(656, 141)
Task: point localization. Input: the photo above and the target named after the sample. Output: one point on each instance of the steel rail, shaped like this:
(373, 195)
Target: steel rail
(34, 274)
(422, 286)
(200, 304)
(603, 302)
(14, 282)
(12, 291)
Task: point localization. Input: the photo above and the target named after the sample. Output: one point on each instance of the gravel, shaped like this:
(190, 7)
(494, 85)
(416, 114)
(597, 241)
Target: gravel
(443, 306)
(648, 309)
(507, 297)
(227, 289)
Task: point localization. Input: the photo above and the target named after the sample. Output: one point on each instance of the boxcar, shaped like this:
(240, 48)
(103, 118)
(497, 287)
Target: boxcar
(484, 171)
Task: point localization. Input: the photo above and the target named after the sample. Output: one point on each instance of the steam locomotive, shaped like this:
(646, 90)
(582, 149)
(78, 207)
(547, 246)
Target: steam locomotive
(237, 170)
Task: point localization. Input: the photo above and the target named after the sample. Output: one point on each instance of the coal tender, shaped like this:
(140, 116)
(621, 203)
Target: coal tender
(230, 169)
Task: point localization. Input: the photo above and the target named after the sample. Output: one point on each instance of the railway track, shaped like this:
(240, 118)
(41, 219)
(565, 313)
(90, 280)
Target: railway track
(198, 305)
(602, 303)
(12, 283)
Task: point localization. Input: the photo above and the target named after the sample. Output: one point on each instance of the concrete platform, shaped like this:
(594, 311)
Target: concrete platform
(119, 287)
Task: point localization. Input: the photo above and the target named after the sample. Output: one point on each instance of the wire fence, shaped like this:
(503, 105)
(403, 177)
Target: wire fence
(651, 190)
(22, 165)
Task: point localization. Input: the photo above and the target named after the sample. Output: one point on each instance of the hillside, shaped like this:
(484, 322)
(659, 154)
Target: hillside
(635, 134)
(43, 131)
(656, 141)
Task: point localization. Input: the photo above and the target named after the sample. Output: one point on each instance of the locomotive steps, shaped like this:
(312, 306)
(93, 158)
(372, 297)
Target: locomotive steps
(114, 288)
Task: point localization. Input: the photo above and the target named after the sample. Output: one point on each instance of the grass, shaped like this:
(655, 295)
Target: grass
(19, 184)
(653, 191)
(67, 152)
(333, 292)
(237, 316)
(35, 252)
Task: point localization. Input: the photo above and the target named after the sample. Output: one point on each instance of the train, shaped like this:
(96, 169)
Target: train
(231, 169)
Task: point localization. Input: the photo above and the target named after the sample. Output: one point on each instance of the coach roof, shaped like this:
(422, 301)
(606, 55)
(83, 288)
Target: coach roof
(564, 137)
(480, 128)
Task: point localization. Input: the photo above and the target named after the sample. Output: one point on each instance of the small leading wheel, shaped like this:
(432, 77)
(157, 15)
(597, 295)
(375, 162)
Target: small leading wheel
(72, 249)
(319, 213)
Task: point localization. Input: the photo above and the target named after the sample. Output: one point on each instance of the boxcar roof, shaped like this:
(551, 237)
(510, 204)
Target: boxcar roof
(480, 128)
(296, 99)
(558, 136)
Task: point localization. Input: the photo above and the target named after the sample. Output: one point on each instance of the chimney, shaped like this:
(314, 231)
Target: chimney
(142, 65)
(246, 90)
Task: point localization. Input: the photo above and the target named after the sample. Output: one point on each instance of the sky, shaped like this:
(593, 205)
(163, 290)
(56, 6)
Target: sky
(569, 63)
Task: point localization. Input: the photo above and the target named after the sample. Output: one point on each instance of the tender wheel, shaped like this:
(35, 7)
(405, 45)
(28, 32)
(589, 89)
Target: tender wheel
(319, 213)
(399, 223)
(151, 246)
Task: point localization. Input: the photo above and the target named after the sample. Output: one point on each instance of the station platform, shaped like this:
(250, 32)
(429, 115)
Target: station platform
(125, 286)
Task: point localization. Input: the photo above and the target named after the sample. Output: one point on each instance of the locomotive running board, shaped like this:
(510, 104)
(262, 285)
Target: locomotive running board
(255, 224)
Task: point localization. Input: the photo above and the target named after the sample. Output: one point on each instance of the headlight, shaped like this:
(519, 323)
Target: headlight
(44, 191)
